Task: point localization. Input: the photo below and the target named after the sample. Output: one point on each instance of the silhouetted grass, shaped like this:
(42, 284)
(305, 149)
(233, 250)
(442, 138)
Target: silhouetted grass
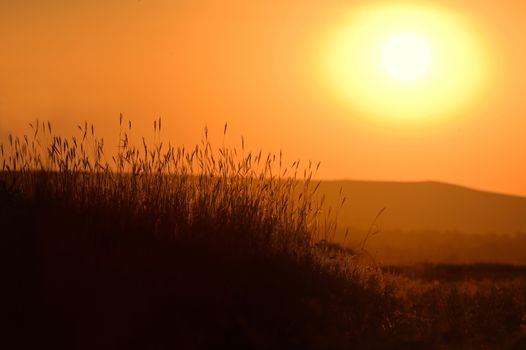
(160, 246)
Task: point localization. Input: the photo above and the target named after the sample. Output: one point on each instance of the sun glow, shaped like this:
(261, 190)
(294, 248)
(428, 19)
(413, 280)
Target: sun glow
(405, 63)
(406, 56)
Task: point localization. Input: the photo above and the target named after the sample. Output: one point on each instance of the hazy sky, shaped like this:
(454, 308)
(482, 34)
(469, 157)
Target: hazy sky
(255, 65)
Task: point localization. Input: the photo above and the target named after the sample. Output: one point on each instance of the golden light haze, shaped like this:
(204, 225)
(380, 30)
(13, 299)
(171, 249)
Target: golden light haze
(452, 66)
(257, 65)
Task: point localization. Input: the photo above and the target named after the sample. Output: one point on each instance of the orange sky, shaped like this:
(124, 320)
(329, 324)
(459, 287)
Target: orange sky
(254, 64)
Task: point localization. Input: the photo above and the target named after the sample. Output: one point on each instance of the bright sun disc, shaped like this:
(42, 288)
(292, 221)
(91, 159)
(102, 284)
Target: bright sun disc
(405, 63)
(406, 56)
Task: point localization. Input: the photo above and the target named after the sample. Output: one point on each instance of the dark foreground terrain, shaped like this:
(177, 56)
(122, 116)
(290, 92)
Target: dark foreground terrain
(99, 280)
(167, 248)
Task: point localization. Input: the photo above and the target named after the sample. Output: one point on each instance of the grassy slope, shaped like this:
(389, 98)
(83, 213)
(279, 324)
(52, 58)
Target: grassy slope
(89, 279)
(225, 256)
(98, 278)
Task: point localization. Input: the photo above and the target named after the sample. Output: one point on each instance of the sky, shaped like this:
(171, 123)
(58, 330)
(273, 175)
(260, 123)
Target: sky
(256, 66)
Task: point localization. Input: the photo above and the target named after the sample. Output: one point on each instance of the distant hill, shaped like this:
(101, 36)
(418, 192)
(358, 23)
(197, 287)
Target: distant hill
(427, 206)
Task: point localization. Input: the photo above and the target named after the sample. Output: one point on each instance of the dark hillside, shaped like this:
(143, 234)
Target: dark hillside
(207, 249)
(425, 206)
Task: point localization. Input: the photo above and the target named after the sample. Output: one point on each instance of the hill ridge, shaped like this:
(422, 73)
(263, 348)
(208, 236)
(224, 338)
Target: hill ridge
(423, 182)
(426, 205)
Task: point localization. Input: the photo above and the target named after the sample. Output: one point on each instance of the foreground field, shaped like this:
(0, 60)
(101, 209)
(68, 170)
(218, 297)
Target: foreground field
(84, 280)
(203, 250)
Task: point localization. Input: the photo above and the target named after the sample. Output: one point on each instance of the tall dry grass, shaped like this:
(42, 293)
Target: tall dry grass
(253, 199)
(159, 246)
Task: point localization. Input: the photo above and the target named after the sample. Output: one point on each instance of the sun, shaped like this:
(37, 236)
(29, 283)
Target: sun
(406, 56)
(405, 63)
